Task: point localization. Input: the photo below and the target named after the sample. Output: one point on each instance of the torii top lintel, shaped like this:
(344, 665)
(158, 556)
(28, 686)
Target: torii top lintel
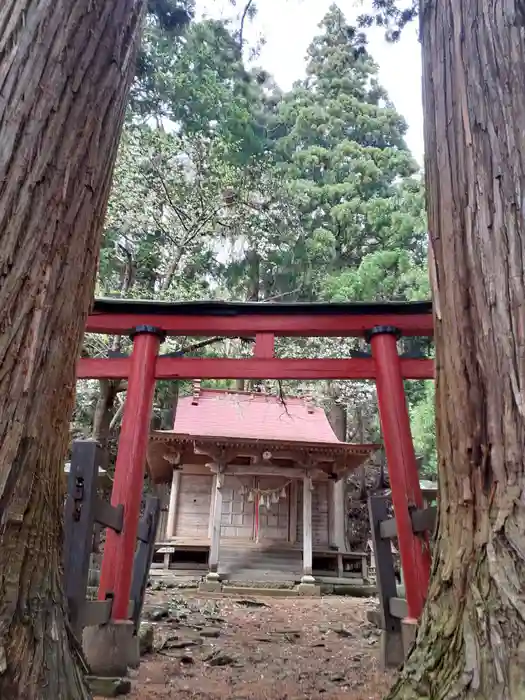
(203, 318)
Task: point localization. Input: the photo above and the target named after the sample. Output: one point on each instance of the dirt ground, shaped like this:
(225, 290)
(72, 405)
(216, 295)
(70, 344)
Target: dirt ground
(259, 648)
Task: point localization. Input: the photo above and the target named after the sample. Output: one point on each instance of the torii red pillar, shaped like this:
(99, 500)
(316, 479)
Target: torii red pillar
(119, 550)
(402, 465)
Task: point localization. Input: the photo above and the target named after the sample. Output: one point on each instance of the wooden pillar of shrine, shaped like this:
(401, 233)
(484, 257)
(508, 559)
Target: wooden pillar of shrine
(172, 508)
(337, 515)
(212, 582)
(307, 586)
(337, 418)
(294, 497)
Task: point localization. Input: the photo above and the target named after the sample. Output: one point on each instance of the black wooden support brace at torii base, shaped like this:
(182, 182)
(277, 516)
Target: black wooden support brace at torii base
(391, 641)
(78, 525)
(392, 609)
(143, 556)
(83, 510)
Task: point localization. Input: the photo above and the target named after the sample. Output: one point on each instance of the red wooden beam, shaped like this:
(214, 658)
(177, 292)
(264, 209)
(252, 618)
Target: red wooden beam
(298, 325)
(417, 368)
(264, 345)
(251, 368)
(103, 368)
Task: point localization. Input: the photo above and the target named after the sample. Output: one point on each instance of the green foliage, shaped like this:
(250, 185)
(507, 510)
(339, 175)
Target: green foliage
(198, 82)
(340, 143)
(423, 418)
(162, 40)
(386, 275)
(179, 204)
(393, 15)
(172, 15)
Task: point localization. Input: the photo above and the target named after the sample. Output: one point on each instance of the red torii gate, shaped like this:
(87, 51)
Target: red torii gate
(149, 322)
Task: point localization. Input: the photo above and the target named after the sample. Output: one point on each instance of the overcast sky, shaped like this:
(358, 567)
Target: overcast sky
(288, 27)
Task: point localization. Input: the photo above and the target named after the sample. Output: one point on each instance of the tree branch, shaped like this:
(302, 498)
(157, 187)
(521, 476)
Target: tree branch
(181, 214)
(243, 20)
(127, 282)
(117, 415)
(167, 234)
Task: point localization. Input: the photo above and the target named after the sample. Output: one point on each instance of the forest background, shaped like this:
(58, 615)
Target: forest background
(227, 187)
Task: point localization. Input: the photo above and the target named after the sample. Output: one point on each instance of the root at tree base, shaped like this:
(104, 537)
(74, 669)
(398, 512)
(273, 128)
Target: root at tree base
(470, 646)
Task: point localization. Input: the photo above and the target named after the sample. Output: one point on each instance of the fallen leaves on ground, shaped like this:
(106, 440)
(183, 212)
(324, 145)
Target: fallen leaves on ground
(285, 649)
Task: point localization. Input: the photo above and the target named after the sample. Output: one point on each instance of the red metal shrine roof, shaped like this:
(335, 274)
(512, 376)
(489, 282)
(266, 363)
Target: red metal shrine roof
(250, 423)
(252, 416)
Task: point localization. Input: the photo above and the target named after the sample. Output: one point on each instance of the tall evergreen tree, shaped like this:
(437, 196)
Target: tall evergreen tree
(341, 144)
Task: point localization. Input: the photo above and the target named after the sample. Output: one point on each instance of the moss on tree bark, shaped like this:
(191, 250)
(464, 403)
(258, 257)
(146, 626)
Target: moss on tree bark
(471, 641)
(65, 70)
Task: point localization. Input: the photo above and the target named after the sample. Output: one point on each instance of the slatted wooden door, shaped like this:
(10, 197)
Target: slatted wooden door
(237, 518)
(274, 523)
(193, 507)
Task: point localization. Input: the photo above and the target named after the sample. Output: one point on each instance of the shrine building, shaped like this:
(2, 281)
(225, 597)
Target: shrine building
(254, 490)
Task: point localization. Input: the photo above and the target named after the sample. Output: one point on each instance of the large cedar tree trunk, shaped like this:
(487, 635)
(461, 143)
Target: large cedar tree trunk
(65, 69)
(471, 642)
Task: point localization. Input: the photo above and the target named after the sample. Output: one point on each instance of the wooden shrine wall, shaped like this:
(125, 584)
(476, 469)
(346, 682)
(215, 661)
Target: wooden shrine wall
(193, 506)
(238, 513)
(195, 499)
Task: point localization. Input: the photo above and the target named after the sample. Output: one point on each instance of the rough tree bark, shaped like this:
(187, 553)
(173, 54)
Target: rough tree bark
(104, 411)
(471, 641)
(65, 70)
